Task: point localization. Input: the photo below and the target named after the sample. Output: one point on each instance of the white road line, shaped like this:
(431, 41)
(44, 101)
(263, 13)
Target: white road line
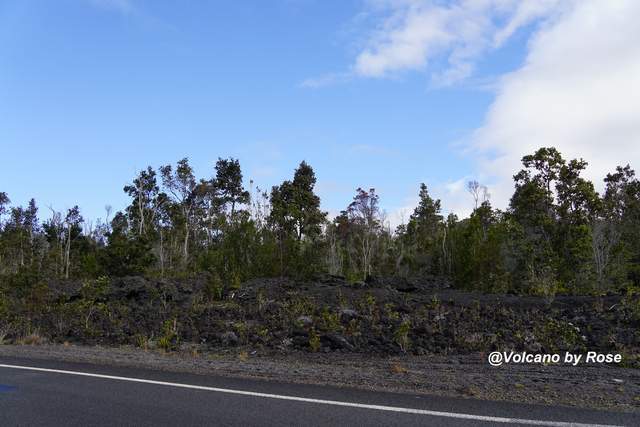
(318, 401)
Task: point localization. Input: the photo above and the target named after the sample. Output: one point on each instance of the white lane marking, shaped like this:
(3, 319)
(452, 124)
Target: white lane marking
(319, 401)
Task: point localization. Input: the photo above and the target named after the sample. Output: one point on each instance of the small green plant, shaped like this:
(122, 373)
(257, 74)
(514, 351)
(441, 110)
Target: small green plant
(401, 335)
(240, 329)
(353, 328)
(299, 306)
(214, 288)
(263, 333)
(164, 343)
(392, 314)
(434, 304)
(261, 299)
(142, 341)
(368, 304)
(235, 282)
(314, 341)
(169, 340)
(331, 321)
(342, 301)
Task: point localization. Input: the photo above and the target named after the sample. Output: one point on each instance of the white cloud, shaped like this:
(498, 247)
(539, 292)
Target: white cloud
(416, 32)
(579, 91)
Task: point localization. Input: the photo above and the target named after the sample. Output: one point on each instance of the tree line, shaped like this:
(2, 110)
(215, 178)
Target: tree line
(557, 234)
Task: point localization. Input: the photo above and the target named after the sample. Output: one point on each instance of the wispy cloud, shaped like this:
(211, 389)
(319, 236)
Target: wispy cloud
(414, 34)
(578, 89)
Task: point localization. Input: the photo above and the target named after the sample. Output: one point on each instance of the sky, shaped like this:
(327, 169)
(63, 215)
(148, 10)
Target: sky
(372, 93)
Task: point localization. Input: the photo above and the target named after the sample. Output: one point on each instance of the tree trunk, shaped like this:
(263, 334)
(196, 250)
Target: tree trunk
(161, 253)
(67, 253)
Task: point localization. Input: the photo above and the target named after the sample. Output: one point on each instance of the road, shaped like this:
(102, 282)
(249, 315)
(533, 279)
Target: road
(38, 392)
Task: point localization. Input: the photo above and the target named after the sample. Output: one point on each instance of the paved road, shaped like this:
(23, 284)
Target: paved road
(82, 394)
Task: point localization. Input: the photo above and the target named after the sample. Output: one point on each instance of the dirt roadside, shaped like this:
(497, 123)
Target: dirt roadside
(470, 376)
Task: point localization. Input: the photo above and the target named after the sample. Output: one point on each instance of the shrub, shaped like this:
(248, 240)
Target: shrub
(555, 335)
(5, 330)
(314, 340)
(401, 335)
(214, 288)
(331, 321)
(170, 339)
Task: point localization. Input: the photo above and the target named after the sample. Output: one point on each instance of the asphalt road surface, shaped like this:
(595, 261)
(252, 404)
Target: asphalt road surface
(38, 392)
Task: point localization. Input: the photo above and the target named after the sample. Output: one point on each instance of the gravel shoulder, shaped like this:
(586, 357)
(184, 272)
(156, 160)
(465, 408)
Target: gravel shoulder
(596, 387)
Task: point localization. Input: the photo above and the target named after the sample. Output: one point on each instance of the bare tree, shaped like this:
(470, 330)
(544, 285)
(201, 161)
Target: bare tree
(473, 187)
(181, 184)
(479, 192)
(364, 212)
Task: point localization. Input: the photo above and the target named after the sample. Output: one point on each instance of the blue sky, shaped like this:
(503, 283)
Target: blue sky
(93, 90)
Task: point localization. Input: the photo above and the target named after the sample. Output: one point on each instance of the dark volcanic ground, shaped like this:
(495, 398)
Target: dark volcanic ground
(384, 317)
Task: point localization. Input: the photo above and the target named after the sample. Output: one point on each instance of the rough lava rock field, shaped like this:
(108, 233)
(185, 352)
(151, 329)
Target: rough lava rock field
(385, 317)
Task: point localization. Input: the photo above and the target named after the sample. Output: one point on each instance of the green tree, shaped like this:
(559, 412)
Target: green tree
(125, 255)
(532, 208)
(296, 216)
(228, 184)
(72, 231)
(616, 244)
(422, 234)
(578, 206)
(4, 202)
(146, 200)
(182, 188)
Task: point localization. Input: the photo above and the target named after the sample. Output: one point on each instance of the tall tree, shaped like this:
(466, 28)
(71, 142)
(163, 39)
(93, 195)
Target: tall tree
(295, 209)
(621, 225)
(364, 215)
(182, 186)
(146, 201)
(422, 232)
(72, 229)
(533, 209)
(4, 201)
(228, 184)
(578, 206)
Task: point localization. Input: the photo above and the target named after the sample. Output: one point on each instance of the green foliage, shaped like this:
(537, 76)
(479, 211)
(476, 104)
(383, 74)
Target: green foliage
(401, 335)
(125, 255)
(314, 341)
(330, 321)
(297, 219)
(214, 288)
(557, 236)
(420, 238)
(556, 335)
(169, 340)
